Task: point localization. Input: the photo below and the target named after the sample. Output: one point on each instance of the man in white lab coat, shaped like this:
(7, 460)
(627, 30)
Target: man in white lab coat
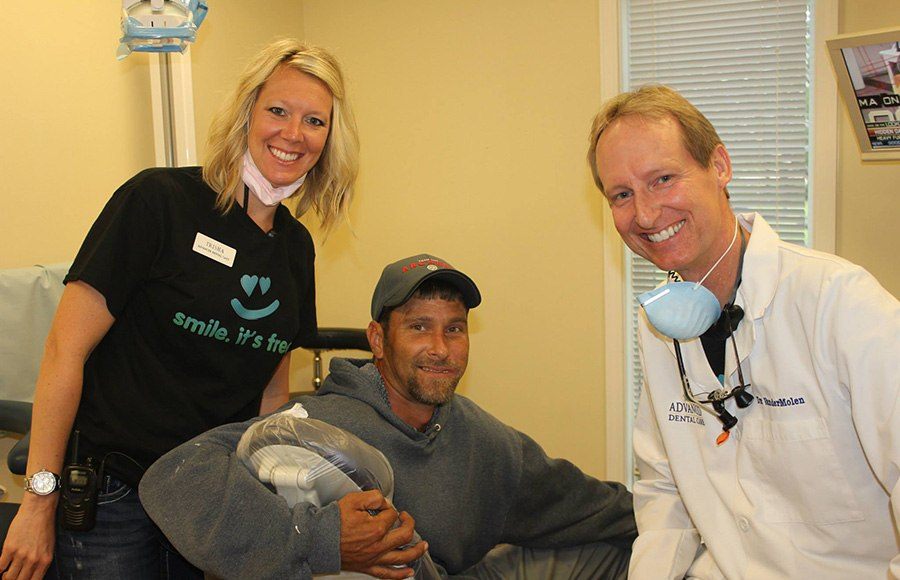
(784, 464)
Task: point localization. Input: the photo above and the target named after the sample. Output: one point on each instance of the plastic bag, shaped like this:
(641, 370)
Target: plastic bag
(307, 460)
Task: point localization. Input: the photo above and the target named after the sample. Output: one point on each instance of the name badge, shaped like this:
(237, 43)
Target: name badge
(214, 250)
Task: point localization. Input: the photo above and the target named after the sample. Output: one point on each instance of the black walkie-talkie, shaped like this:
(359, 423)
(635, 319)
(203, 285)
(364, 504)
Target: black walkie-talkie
(79, 493)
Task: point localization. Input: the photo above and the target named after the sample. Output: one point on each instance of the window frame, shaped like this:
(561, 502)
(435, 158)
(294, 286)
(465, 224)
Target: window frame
(823, 184)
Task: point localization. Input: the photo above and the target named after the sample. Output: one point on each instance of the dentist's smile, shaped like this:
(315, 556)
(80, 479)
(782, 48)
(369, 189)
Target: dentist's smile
(665, 234)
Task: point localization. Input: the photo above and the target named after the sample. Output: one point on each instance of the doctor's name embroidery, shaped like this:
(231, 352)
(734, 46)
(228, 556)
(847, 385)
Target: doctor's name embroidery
(781, 402)
(681, 412)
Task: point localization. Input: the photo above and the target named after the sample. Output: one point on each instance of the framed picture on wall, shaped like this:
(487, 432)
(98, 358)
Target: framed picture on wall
(867, 66)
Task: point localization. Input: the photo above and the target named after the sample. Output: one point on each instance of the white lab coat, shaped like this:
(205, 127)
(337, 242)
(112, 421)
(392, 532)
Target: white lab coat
(805, 485)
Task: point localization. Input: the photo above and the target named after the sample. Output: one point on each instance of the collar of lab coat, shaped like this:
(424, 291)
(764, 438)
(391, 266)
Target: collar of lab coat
(761, 270)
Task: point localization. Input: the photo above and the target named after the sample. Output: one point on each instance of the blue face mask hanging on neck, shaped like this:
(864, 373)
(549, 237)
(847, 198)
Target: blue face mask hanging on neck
(680, 310)
(684, 310)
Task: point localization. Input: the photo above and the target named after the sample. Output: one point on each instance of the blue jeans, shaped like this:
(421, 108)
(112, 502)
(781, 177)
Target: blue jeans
(125, 543)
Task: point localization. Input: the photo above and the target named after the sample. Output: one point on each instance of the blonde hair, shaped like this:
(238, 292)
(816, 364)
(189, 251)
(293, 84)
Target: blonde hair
(328, 188)
(657, 102)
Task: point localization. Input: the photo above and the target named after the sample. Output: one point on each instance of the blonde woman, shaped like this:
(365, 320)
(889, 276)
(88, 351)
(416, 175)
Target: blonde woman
(181, 309)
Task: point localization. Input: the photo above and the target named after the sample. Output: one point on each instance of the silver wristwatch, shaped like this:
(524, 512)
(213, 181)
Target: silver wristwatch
(42, 483)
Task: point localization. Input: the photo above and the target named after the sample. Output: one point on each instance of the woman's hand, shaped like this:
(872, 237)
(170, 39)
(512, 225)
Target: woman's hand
(29, 545)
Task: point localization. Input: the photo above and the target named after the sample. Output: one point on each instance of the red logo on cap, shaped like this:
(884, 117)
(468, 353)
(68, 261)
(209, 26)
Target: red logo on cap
(426, 262)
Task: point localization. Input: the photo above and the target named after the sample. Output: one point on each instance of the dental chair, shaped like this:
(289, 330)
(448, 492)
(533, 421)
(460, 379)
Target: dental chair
(28, 300)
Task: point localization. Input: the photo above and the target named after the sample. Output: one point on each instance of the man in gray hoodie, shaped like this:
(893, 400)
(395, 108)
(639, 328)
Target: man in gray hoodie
(471, 482)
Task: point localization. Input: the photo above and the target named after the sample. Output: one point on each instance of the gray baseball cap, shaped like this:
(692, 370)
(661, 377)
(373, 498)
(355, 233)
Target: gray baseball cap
(400, 280)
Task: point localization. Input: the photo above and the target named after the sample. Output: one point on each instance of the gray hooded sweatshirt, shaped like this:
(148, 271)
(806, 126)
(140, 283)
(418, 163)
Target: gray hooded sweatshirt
(469, 481)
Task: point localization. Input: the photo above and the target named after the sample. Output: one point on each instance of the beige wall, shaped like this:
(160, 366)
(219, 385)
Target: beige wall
(868, 197)
(73, 125)
(473, 117)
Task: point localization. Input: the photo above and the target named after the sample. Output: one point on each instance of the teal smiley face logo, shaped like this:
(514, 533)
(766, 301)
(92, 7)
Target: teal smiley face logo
(250, 284)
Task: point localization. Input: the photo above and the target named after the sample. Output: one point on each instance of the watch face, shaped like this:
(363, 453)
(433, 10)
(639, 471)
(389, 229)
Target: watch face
(43, 482)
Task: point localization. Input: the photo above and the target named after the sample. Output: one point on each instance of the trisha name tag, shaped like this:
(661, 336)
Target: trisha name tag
(214, 250)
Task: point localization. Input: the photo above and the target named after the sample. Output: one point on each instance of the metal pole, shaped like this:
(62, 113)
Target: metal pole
(168, 107)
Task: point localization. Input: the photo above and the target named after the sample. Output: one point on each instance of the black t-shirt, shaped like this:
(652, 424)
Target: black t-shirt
(195, 341)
